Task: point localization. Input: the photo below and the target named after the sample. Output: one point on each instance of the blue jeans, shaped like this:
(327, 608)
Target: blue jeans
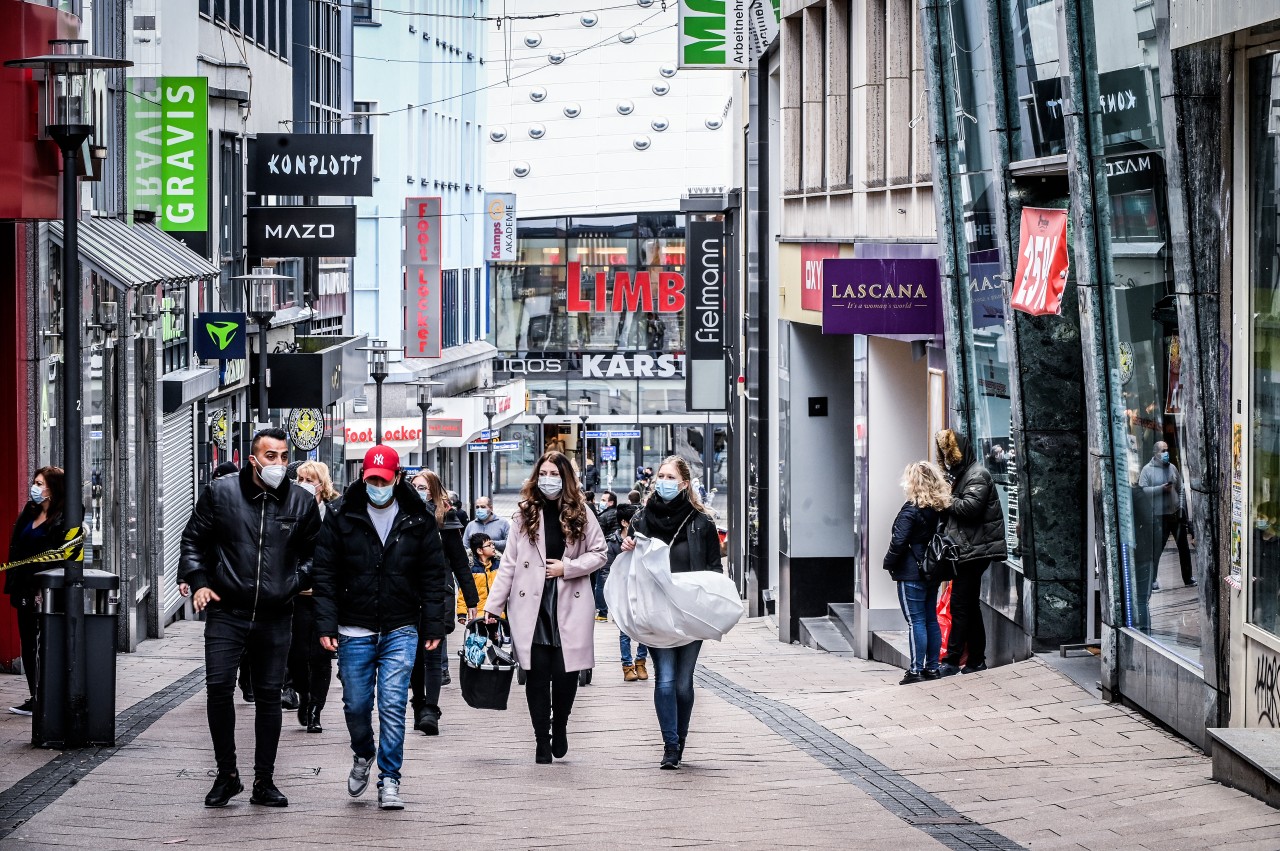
(597, 587)
(624, 646)
(919, 602)
(673, 691)
(383, 662)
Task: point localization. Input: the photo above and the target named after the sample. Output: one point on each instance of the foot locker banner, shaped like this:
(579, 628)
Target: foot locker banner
(1042, 262)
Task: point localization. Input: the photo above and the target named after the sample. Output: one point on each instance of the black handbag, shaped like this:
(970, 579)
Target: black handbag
(484, 675)
(940, 555)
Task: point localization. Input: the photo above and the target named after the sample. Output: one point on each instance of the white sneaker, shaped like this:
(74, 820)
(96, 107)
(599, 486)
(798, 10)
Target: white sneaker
(358, 779)
(389, 795)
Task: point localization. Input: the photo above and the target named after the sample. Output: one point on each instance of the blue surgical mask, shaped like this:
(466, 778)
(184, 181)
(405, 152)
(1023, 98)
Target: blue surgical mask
(668, 489)
(380, 496)
(482, 514)
(1261, 523)
(37, 494)
(1164, 456)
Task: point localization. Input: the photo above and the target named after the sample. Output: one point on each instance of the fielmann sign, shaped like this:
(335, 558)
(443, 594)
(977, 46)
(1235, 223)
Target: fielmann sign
(168, 165)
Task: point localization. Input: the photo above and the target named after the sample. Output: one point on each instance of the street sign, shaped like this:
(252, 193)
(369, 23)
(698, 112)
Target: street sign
(595, 435)
(608, 453)
(477, 447)
(624, 434)
(499, 446)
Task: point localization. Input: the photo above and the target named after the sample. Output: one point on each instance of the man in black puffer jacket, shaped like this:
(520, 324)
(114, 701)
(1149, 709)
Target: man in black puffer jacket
(379, 573)
(975, 522)
(245, 551)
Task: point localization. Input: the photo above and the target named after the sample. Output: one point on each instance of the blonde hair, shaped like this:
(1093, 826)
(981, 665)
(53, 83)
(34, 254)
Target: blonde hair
(319, 469)
(925, 486)
(686, 474)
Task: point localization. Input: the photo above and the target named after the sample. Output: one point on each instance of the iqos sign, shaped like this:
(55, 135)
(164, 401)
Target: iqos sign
(599, 366)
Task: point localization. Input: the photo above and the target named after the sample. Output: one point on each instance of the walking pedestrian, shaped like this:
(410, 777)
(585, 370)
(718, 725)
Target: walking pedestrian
(431, 666)
(379, 575)
(544, 583)
(310, 665)
(489, 523)
(248, 540)
(1165, 514)
(40, 527)
(590, 476)
(607, 514)
(927, 494)
(634, 667)
(485, 562)
(975, 522)
(675, 516)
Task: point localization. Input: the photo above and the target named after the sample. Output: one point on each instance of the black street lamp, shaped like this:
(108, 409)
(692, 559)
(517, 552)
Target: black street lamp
(377, 350)
(584, 406)
(425, 389)
(69, 120)
(540, 406)
(260, 295)
(490, 411)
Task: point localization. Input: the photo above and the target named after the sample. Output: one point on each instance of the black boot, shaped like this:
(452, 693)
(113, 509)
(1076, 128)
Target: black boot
(304, 712)
(289, 699)
(266, 794)
(542, 755)
(680, 750)
(225, 787)
(559, 739)
(426, 719)
(313, 720)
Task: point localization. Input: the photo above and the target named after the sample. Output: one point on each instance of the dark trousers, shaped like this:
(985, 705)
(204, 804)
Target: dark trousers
(1171, 524)
(550, 690)
(310, 665)
(967, 629)
(427, 675)
(29, 635)
(227, 638)
(597, 586)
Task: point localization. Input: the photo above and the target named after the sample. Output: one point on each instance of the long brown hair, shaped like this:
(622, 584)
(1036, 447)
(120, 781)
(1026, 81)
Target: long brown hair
(436, 493)
(56, 481)
(573, 510)
(686, 474)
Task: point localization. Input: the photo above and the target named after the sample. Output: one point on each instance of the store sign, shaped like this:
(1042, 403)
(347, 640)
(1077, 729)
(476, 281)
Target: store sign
(881, 296)
(232, 373)
(1043, 262)
(641, 294)
(986, 290)
(707, 380)
(302, 231)
(444, 428)
(422, 310)
(811, 257)
(220, 336)
(500, 227)
(312, 164)
(305, 427)
(726, 33)
(168, 165)
(598, 366)
(220, 429)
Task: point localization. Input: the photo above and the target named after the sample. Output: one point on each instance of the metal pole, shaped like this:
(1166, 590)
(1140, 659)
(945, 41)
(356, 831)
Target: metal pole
(378, 410)
(263, 323)
(491, 490)
(424, 438)
(77, 687)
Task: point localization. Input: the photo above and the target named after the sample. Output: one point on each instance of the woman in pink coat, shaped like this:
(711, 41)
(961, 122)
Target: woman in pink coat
(545, 584)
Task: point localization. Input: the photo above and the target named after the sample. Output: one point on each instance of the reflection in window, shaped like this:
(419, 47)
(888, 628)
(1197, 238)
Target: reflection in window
(1038, 75)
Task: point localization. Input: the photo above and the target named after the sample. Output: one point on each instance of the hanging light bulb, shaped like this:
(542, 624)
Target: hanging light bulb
(555, 57)
(627, 37)
(661, 89)
(520, 169)
(537, 131)
(590, 19)
(667, 70)
(714, 123)
(659, 124)
(644, 4)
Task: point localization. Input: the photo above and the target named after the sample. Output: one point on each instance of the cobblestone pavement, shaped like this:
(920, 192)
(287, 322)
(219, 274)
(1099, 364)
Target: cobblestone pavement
(788, 748)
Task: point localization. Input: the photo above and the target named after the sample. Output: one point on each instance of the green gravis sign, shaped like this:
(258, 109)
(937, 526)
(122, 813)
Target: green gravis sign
(168, 173)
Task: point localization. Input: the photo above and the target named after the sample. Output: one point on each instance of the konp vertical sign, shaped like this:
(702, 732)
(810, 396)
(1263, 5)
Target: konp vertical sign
(168, 165)
(422, 278)
(500, 227)
(707, 373)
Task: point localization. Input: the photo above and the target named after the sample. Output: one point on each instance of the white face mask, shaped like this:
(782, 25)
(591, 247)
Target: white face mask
(272, 476)
(550, 486)
(37, 494)
(308, 487)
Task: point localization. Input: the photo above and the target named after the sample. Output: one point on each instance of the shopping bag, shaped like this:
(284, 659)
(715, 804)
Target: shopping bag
(660, 609)
(486, 664)
(944, 614)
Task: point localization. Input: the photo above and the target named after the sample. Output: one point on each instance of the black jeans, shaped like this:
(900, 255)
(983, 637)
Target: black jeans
(227, 637)
(310, 665)
(427, 675)
(29, 636)
(550, 690)
(967, 629)
(1171, 524)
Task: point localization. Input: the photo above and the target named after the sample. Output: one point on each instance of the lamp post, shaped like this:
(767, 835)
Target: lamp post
(540, 406)
(377, 350)
(69, 121)
(584, 406)
(490, 411)
(425, 388)
(260, 295)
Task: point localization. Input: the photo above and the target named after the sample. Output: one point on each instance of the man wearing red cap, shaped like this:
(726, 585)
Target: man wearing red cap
(379, 571)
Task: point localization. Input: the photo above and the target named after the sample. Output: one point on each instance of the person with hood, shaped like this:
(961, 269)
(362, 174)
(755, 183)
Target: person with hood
(488, 523)
(380, 576)
(39, 528)
(927, 494)
(245, 550)
(975, 522)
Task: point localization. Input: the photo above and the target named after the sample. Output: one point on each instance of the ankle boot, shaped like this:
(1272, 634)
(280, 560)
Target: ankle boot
(304, 712)
(629, 674)
(559, 740)
(313, 720)
(641, 671)
(542, 755)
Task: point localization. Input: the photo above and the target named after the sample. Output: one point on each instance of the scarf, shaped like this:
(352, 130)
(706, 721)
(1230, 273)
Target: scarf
(663, 519)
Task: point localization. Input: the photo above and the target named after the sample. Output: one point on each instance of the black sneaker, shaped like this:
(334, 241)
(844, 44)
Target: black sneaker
(265, 794)
(946, 669)
(247, 695)
(288, 699)
(225, 787)
(27, 707)
(910, 677)
(931, 674)
(973, 669)
(670, 758)
(445, 679)
(426, 720)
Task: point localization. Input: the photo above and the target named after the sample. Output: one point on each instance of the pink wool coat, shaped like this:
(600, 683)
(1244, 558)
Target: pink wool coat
(519, 588)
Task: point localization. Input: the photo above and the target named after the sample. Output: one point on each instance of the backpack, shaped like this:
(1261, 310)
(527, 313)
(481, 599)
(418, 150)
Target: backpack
(940, 555)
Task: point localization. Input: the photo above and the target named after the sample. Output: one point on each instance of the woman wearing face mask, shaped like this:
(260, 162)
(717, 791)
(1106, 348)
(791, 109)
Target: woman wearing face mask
(675, 516)
(39, 528)
(545, 585)
(431, 666)
(310, 665)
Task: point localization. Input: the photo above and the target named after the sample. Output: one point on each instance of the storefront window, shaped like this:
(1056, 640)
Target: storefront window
(1039, 78)
(1264, 285)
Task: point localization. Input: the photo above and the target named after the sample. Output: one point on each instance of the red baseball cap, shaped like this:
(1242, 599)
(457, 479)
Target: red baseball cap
(381, 461)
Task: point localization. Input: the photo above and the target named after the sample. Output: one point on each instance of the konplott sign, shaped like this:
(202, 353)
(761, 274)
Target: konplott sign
(311, 164)
(302, 231)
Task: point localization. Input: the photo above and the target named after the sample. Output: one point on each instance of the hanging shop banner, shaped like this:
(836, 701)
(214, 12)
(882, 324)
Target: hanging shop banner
(220, 429)
(302, 231)
(220, 336)
(811, 257)
(706, 371)
(422, 311)
(643, 292)
(882, 297)
(305, 427)
(1042, 262)
(726, 33)
(338, 164)
(500, 227)
(168, 166)
(986, 289)
(765, 20)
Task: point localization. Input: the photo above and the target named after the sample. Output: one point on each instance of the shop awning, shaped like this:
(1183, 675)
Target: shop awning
(135, 255)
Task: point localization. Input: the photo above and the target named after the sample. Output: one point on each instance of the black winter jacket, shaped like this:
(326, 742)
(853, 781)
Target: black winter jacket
(912, 529)
(976, 519)
(609, 521)
(360, 582)
(455, 555)
(250, 546)
(20, 582)
(704, 542)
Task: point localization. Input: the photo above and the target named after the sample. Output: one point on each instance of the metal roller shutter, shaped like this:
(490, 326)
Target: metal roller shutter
(177, 499)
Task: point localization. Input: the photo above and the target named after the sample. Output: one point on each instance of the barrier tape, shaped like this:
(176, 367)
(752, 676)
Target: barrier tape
(72, 550)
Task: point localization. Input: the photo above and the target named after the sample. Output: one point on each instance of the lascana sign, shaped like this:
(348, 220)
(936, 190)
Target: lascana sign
(726, 33)
(168, 165)
(1042, 262)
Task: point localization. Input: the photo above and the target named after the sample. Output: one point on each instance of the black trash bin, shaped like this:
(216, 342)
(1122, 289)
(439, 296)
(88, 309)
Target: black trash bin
(101, 600)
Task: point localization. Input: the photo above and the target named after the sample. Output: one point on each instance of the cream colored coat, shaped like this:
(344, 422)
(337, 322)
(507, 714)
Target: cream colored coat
(521, 579)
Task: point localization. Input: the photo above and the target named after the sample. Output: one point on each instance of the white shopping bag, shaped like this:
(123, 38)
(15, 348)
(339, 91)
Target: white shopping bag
(661, 609)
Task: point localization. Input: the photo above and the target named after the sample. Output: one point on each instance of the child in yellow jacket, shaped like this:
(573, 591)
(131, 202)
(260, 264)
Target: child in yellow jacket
(484, 570)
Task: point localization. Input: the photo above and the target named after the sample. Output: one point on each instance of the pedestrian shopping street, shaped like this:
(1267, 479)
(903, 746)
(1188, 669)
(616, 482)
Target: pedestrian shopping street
(789, 747)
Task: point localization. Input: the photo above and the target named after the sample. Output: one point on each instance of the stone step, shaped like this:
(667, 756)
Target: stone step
(1247, 759)
(845, 616)
(823, 634)
(891, 647)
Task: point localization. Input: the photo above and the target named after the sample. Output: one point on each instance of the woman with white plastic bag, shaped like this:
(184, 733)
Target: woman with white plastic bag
(675, 516)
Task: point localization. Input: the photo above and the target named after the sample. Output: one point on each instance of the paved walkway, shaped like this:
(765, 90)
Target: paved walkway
(789, 748)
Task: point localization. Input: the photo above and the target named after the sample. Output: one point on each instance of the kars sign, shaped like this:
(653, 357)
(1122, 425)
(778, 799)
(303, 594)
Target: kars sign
(500, 227)
(422, 260)
(1043, 262)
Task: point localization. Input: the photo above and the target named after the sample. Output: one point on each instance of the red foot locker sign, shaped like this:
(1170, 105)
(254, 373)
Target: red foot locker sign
(1042, 262)
(422, 258)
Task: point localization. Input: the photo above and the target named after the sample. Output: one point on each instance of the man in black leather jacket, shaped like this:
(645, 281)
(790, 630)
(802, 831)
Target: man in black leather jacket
(245, 553)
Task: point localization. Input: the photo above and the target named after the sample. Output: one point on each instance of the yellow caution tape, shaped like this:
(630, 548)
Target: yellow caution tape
(73, 549)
